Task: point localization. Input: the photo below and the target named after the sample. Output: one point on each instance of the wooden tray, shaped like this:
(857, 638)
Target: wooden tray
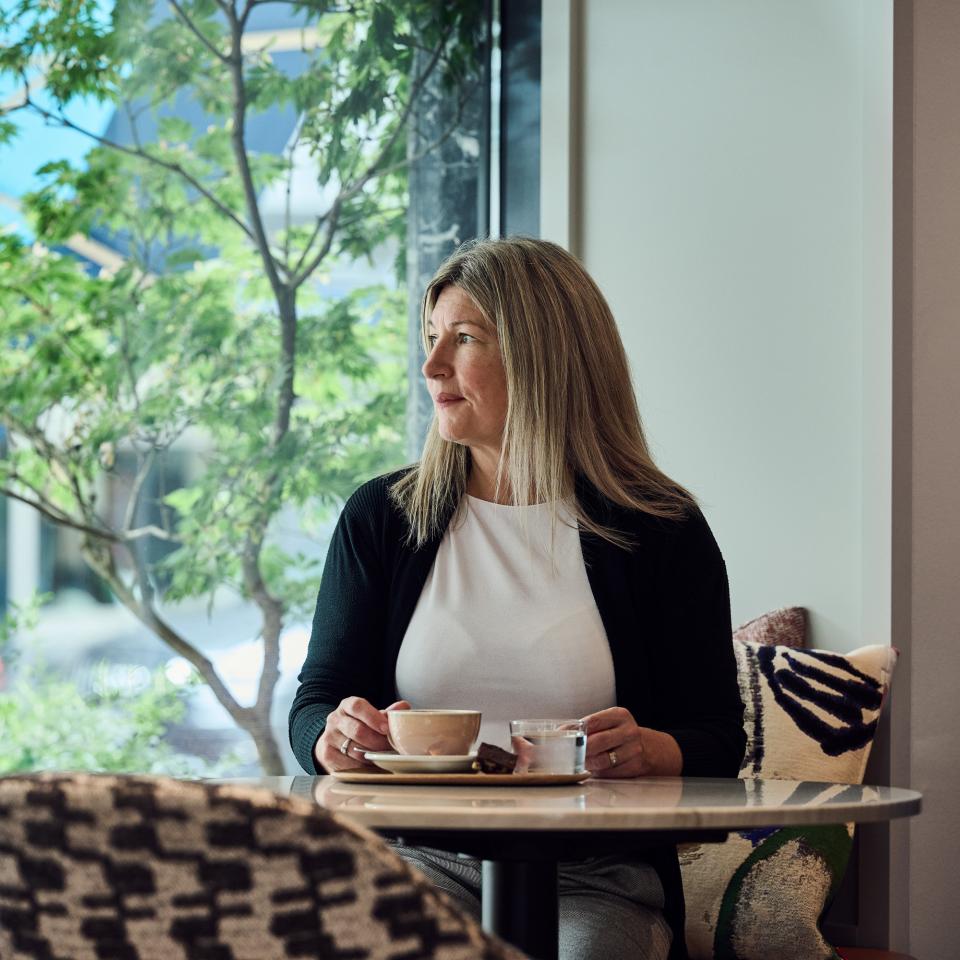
(463, 779)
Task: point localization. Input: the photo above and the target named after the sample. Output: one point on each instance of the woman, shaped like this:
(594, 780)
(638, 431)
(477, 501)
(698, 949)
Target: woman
(535, 562)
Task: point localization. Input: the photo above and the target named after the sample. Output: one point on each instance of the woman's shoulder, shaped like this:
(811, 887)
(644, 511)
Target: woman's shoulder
(684, 541)
(684, 520)
(376, 491)
(371, 503)
(658, 537)
(687, 523)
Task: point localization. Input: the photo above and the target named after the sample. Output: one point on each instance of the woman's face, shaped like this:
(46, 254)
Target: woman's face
(464, 373)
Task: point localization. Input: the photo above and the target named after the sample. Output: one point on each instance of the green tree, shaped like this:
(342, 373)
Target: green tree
(213, 326)
(120, 726)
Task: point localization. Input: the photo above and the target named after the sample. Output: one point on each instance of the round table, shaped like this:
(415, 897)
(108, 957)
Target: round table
(521, 833)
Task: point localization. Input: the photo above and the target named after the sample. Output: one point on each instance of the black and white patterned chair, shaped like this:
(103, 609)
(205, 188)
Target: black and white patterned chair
(102, 867)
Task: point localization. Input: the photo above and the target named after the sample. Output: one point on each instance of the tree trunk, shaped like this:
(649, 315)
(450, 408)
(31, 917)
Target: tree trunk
(268, 750)
(254, 720)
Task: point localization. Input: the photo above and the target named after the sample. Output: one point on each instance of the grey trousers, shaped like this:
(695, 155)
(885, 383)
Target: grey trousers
(610, 909)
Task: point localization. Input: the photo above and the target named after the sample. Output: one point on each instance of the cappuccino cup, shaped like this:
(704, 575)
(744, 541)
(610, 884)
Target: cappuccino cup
(433, 733)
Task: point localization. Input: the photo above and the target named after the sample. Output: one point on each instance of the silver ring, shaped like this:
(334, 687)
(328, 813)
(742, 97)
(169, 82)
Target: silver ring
(612, 757)
(345, 746)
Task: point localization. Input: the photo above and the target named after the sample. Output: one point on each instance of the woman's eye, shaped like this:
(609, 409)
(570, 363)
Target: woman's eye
(461, 338)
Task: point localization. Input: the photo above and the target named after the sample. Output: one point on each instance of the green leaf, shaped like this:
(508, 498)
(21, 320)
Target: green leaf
(174, 356)
(175, 129)
(184, 499)
(49, 724)
(8, 131)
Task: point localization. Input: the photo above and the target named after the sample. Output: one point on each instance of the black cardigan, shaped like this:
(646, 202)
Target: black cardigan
(664, 604)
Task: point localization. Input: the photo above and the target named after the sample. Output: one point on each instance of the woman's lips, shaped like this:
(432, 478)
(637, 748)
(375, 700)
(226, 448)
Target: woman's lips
(445, 399)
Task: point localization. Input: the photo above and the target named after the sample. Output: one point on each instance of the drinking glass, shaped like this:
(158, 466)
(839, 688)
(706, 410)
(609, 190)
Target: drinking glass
(549, 746)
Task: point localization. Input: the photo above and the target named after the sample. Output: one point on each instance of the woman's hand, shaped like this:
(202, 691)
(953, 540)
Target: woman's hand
(617, 747)
(355, 727)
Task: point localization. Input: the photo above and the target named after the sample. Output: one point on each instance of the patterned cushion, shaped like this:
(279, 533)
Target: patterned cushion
(786, 627)
(142, 868)
(810, 715)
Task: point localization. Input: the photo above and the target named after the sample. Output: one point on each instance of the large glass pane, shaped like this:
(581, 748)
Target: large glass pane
(217, 221)
(520, 117)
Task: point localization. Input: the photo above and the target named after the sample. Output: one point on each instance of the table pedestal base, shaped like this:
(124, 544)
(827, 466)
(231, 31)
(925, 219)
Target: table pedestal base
(519, 894)
(520, 904)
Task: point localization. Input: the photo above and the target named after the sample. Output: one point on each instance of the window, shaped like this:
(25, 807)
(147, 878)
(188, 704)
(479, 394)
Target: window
(163, 306)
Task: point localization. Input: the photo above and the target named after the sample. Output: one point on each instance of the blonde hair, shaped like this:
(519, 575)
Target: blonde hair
(571, 409)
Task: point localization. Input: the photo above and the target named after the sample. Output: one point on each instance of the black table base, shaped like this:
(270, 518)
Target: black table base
(521, 904)
(519, 871)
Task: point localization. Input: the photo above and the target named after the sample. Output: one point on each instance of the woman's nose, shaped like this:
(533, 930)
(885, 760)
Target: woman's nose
(436, 364)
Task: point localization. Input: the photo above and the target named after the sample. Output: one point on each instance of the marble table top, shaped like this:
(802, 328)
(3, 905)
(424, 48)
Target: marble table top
(667, 803)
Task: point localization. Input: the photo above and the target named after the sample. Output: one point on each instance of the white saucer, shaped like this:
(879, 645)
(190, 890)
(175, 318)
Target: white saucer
(406, 763)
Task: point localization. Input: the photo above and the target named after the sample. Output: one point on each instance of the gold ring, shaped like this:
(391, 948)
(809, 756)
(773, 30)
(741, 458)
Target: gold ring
(345, 746)
(612, 757)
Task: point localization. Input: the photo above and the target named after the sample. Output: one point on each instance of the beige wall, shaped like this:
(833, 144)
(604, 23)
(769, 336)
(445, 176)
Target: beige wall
(927, 448)
(775, 218)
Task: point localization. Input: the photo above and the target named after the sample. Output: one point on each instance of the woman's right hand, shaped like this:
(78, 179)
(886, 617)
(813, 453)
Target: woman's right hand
(353, 728)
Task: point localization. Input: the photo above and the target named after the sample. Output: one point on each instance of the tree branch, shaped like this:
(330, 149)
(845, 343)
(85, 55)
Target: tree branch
(142, 155)
(434, 144)
(309, 244)
(54, 333)
(57, 457)
(271, 608)
(143, 469)
(291, 149)
(103, 563)
(331, 218)
(148, 531)
(272, 611)
(127, 358)
(57, 516)
(63, 462)
(415, 88)
(258, 233)
(195, 30)
(373, 169)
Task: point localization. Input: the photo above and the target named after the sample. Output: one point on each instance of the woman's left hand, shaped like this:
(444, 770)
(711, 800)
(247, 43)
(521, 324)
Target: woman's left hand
(618, 747)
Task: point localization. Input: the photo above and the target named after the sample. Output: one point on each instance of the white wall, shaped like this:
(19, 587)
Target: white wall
(723, 158)
(735, 174)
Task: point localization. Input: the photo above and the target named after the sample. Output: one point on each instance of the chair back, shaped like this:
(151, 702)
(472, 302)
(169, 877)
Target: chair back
(146, 868)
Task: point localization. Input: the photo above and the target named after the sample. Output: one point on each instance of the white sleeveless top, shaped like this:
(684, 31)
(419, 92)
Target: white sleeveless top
(503, 627)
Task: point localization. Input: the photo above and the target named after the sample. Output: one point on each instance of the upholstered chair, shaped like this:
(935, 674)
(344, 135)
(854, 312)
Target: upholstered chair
(144, 868)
